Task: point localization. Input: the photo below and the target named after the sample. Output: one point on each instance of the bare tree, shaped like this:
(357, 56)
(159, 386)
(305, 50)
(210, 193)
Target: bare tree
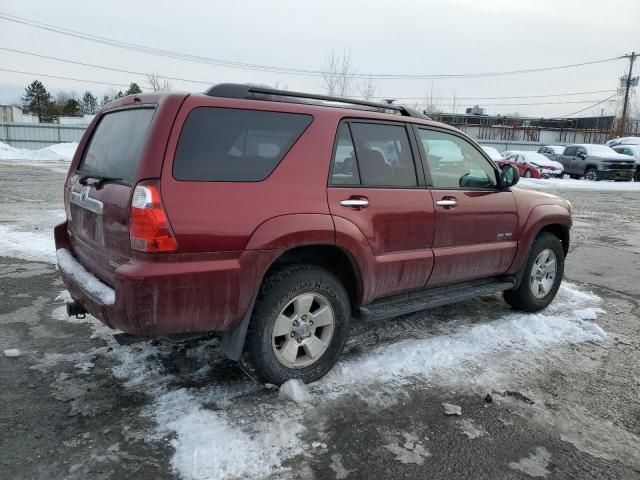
(367, 89)
(432, 100)
(338, 74)
(157, 83)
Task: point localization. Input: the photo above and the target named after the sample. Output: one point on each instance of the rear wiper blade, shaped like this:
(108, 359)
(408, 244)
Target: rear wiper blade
(99, 179)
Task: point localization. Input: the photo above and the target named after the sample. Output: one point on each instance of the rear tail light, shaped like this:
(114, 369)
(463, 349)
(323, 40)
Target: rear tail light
(149, 228)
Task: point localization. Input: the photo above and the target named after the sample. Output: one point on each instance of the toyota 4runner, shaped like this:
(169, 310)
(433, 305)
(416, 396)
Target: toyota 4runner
(277, 218)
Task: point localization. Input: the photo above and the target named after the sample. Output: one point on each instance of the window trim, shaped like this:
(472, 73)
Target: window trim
(483, 154)
(419, 172)
(215, 107)
(123, 108)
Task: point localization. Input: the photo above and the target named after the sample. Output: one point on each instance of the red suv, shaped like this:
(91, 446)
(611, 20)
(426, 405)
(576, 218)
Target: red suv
(279, 217)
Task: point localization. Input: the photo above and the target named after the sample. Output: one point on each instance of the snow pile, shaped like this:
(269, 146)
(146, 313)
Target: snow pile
(12, 352)
(295, 390)
(34, 246)
(568, 183)
(83, 278)
(60, 151)
(563, 322)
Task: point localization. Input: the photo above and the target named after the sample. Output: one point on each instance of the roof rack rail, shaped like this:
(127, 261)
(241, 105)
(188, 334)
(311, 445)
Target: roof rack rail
(256, 92)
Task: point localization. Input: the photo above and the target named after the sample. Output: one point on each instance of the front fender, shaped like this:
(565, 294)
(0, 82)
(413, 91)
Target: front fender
(539, 217)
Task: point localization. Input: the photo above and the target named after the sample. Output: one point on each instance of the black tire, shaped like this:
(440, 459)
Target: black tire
(592, 174)
(277, 291)
(636, 176)
(523, 298)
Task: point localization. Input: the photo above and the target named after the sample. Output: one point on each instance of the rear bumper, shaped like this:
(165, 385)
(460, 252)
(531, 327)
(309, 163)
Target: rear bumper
(200, 293)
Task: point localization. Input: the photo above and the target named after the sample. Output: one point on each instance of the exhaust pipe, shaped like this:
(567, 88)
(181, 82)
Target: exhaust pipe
(74, 309)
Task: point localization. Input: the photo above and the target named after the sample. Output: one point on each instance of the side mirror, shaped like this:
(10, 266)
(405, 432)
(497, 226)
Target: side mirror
(582, 155)
(509, 176)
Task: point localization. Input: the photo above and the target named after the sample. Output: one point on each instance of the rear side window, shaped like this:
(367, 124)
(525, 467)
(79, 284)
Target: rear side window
(115, 147)
(384, 155)
(231, 145)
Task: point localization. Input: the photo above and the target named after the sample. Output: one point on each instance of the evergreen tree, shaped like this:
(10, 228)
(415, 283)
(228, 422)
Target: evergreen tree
(134, 89)
(105, 99)
(37, 100)
(89, 103)
(119, 94)
(72, 108)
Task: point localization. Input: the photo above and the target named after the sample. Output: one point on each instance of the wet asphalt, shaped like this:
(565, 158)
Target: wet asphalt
(574, 414)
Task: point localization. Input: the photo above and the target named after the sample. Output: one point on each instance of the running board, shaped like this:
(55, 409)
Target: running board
(434, 297)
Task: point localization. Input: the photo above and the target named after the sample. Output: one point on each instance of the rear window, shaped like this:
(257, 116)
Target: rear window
(116, 144)
(231, 145)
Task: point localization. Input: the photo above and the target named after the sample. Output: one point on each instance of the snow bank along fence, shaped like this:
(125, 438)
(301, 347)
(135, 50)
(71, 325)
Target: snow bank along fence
(503, 145)
(39, 135)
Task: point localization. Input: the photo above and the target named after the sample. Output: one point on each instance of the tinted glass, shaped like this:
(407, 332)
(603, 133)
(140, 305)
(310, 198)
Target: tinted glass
(345, 168)
(115, 147)
(455, 163)
(384, 155)
(570, 151)
(224, 144)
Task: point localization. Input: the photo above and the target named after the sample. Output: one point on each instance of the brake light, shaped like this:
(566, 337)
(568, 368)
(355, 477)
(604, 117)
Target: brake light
(149, 228)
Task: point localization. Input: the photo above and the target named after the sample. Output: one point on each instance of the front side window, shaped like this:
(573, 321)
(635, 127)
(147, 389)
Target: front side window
(455, 163)
(384, 155)
(232, 145)
(570, 151)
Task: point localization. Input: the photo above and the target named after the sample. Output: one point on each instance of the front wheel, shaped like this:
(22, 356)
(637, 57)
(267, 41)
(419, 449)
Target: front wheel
(299, 325)
(636, 176)
(541, 277)
(592, 174)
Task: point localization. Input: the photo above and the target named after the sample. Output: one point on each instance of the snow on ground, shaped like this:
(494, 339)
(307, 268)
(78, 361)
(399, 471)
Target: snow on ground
(34, 246)
(60, 151)
(568, 183)
(223, 426)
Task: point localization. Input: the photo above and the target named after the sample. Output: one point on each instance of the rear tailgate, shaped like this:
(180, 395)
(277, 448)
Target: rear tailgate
(126, 145)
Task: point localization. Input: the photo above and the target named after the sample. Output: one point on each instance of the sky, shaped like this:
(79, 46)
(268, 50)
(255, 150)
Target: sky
(382, 37)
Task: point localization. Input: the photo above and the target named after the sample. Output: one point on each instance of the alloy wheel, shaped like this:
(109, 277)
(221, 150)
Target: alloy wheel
(543, 273)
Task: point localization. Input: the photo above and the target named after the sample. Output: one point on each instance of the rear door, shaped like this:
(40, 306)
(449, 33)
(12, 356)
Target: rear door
(476, 223)
(567, 159)
(377, 185)
(99, 191)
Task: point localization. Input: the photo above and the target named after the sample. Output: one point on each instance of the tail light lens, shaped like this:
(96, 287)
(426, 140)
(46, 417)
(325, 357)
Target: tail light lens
(149, 228)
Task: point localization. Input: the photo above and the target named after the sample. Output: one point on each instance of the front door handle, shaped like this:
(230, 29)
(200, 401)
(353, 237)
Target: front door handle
(447, 202)
(355, 203)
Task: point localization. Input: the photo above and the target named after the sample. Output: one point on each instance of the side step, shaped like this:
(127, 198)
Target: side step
(434, 297)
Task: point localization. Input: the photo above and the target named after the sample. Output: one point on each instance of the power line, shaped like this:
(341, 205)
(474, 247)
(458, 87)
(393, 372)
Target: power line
(133, 72)
(113, 69)
(272, 68)
(63, 78)
(587, 108)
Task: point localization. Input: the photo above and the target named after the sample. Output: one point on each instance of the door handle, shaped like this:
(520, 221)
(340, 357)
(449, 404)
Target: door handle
(447, 202)
(355, 203)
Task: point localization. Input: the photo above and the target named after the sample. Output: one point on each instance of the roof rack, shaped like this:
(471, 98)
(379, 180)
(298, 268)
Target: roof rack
(256, 92)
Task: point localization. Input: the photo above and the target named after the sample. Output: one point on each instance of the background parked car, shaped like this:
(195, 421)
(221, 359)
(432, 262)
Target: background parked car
(634, 151)
(552, 152)
(535, 165)
(493, 153)
(623, 141)
(597, 162)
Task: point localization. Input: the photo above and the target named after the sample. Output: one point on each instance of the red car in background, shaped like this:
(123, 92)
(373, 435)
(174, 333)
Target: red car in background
(533, 165)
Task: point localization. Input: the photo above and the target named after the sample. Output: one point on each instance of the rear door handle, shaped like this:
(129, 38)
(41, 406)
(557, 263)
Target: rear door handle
(447, 202)
(355, 203)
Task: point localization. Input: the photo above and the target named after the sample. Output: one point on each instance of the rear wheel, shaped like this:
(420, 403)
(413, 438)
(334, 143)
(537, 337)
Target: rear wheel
(299, 325)
(541, 277)
(592, 174)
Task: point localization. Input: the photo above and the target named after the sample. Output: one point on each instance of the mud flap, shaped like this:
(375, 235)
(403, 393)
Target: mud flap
(232, 341)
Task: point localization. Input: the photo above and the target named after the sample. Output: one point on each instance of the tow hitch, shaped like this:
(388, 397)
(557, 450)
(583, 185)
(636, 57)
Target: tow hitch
(74, 309)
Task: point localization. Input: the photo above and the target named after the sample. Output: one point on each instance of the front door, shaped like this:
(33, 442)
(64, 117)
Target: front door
(476, 229)
(374, 185)
(568, 159)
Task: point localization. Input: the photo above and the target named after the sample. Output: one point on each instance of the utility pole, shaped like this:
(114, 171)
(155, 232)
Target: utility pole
(629, 81)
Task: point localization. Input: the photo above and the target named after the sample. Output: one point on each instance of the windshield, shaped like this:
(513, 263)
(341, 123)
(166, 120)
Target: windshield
(116, 144)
